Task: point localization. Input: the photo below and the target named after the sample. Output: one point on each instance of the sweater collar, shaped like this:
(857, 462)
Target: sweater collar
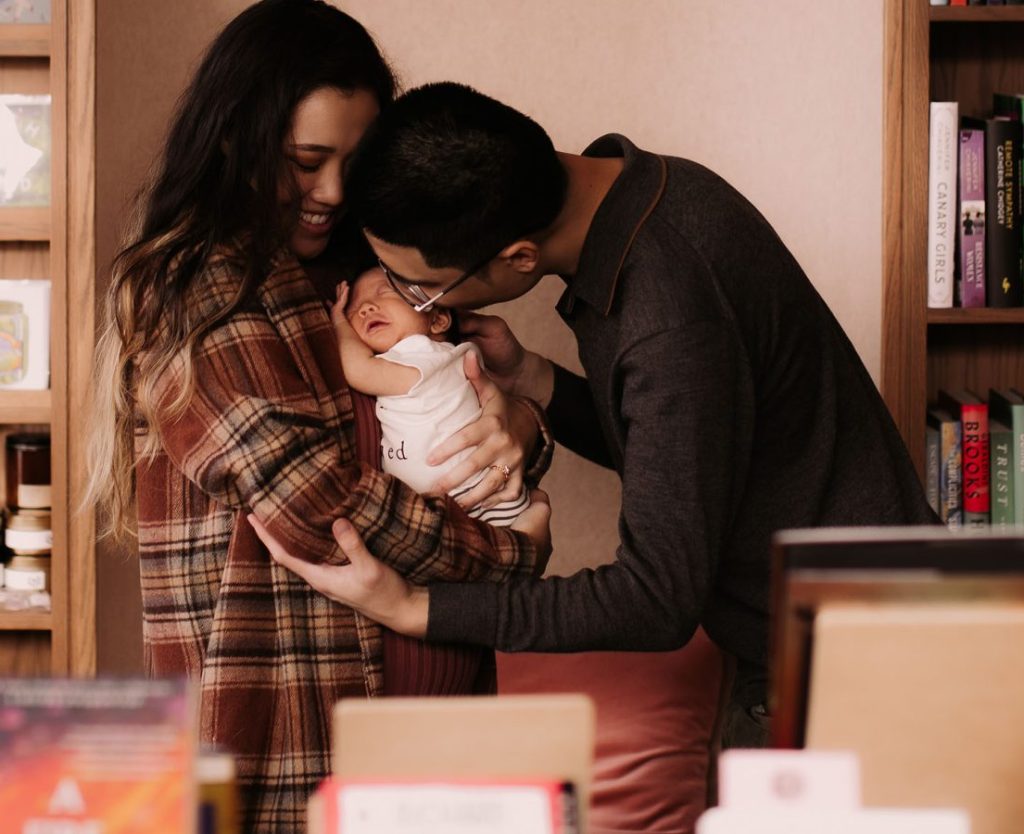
(622, 213)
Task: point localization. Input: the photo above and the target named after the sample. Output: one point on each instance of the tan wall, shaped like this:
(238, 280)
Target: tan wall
(782, 98)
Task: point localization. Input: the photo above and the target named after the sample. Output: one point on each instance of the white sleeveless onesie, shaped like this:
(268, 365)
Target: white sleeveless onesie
(441, 403)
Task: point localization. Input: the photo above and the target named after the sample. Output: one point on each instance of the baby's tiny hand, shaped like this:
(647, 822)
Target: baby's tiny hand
(338, 308)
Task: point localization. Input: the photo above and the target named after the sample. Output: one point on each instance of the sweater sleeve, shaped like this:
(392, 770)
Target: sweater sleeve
(253, 436)
(573, 418)
(679, 479)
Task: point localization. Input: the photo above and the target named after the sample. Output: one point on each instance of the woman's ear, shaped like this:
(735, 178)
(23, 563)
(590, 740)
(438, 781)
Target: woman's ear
(440, 320)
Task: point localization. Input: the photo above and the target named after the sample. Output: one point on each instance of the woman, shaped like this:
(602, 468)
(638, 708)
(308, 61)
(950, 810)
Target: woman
(224, 397)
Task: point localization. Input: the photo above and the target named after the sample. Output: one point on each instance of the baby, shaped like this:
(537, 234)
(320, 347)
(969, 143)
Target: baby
(402, 357)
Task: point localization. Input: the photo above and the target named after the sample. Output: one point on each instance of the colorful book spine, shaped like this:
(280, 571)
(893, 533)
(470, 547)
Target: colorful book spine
(974, 457)
(1007, 406)
(950, 507)
(1003, 219)
(972, 215)
(1000, 438)
(942, 155)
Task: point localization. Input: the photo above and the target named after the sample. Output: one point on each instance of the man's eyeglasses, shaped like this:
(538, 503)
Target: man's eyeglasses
(415, 296)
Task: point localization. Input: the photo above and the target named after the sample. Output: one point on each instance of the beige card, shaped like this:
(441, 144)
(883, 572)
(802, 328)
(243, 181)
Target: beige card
(931, 696)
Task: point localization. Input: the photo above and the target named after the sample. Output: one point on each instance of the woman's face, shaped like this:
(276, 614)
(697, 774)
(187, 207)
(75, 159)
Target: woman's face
(326, 127)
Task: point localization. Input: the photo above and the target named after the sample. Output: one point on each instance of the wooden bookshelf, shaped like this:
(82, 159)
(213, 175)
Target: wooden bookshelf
(26, 621)
(938, 53)
(24, 40)
(35, 243)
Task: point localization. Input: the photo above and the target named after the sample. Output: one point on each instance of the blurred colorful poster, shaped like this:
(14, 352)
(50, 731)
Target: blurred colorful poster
(97, 756)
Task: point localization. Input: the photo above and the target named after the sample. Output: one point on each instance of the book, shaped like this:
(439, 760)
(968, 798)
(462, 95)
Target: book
(942, 157)
(1008, 105)
(950, 506)
(444, 806)
(1003, 213)
(931, 466)
(1000, 440)
(971, 210)
(972, 412)
(1007, 406)
(25, 161)
(97, 756)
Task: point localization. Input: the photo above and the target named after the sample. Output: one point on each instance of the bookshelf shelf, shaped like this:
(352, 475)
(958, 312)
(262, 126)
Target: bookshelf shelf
(25, 407)
(938, 53)
(21, 40)
(26, 620)
(18, 223)
(976, 14)
(977, 315)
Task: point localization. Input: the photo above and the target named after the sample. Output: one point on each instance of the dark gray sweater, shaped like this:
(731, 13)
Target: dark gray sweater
(730, 402)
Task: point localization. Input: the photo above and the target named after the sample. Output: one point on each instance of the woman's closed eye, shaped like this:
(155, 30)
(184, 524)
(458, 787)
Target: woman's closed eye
(306, 165)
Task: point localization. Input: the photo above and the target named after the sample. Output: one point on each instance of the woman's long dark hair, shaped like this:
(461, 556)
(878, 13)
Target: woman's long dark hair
(216, 185)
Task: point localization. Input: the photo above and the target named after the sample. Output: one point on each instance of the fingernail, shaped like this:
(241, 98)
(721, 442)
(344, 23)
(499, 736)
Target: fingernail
(341, 525)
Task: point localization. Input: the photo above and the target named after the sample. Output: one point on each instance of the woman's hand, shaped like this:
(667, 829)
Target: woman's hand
(502, 438)
(365, 583)
(379, 591)
(514, 369)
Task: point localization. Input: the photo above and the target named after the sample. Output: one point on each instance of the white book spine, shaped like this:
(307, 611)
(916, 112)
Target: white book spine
(943, 138)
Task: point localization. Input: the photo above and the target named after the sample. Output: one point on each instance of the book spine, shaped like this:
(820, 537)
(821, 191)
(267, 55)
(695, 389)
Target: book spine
(972, 217)
(1001, 474)
(1003, 220)
(931, 468)
(1017, 426)
(975, 455)
(950, 508)
(942, 153)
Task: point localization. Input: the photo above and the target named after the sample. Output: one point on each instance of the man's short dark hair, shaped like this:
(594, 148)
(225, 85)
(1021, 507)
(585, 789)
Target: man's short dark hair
(456, 175)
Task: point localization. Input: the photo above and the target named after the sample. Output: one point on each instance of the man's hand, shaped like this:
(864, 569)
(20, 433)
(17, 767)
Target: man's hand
(365, 584)
(513, 368)
(503, 436)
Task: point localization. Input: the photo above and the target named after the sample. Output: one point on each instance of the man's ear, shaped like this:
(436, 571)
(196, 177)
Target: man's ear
(523, 255)
(440, 320)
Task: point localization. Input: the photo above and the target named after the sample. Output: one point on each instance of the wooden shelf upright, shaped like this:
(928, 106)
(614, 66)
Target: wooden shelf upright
(57, 58)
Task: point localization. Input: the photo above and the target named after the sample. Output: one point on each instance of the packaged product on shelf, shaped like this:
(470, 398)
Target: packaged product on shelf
(27, 470)
(28, 573)
(28, 533)
(24, 11)
(24, 150)
(24, 334)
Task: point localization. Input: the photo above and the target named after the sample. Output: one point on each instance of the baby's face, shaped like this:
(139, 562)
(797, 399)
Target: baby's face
(379, 315)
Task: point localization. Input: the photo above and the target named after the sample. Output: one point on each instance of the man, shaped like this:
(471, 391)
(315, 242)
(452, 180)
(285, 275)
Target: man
(718, 384)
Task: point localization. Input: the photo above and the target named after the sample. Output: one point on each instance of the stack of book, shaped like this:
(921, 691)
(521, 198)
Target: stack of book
(975, 238)
(974, 463)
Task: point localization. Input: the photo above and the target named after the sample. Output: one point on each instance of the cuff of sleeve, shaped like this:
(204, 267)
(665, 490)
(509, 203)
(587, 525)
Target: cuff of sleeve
(544, 450)
(558, 411)
(463, 613)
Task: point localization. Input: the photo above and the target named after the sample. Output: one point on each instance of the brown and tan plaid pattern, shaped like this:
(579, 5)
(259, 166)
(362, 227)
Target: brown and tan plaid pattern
(270, 430)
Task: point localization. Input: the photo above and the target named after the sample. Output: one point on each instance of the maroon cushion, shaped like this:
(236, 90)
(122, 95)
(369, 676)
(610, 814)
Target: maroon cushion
(656, 728)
